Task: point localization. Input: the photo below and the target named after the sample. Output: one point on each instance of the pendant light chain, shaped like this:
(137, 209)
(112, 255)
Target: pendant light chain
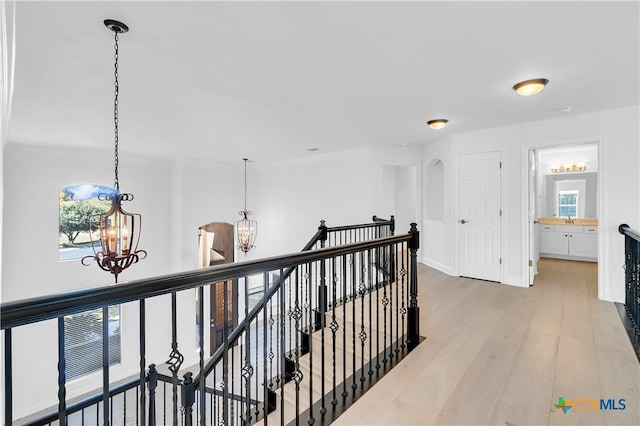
(118, 229)
(116, 183)
(245, 184)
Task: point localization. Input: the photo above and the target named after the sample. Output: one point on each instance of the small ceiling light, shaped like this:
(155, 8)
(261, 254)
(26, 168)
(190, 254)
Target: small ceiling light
(530, 87)
(246, 229)
(566, 109)
(438, 123)
(119, 230)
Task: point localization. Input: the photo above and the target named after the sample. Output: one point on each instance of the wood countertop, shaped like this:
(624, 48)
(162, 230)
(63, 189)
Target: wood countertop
(563, 221)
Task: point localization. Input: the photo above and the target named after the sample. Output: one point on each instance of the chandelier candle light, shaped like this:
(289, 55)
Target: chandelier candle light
(246, 229)
(119, 231)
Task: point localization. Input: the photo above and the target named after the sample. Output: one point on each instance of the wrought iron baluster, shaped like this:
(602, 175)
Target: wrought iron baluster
(385, 303)
(413, 327)
(124, 408)
(306, 325)
(403, 308)
(257, 364)
(175, 357)
(188, 395)
(363, 334)
(247, 368)
(323, 309)
(215, 399)
(152, 384)
(393, 252)
(265, 404)
(62, 392)
(370, 291)
(282, 357)
(377, 286)
(297, 313)
(280, 319)
(225, 358)
(334, 327)
(137, 406)
(105, 365)
(290, 317)
(8, 377)
(201, 413)
(344, 327)
(233, 405)
(271, 355)
(311, 419)
(143, 361)
(397, 307)
(354, 293)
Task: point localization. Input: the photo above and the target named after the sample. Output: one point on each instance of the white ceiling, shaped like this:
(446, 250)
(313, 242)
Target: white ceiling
(219, 81)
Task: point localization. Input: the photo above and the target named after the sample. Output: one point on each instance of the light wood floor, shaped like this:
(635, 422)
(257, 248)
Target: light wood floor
(502, 355)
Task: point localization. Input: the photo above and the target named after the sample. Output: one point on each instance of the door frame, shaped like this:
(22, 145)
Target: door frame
(456, 227)
(600, 141)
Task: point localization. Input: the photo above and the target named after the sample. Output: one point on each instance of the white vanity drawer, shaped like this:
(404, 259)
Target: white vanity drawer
(547, 228)
(568, 228)
(590, 229)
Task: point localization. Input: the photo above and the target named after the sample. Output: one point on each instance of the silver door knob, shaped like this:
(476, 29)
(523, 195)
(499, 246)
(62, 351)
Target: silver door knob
(462, 221)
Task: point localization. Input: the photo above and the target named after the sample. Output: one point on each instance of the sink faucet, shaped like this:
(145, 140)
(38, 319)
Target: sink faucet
(568, 219)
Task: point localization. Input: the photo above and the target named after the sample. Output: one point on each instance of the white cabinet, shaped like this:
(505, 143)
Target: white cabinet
(569, 242)
(553, 242)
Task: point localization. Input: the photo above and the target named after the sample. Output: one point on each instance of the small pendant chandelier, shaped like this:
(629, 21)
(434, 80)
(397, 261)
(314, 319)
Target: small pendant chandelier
(119, 231)
(246, 229)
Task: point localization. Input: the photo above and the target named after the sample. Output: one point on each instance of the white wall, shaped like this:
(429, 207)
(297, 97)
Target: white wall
(342, 188)
(618, 131)
(438, 236)
(173, 198)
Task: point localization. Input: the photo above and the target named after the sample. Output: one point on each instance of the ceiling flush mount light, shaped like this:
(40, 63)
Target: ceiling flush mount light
(438, 123)
(119, 231)
(246, 229)
(530, 87)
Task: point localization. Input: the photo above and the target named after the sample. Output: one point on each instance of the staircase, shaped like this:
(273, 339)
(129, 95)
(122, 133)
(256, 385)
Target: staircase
(340, 366)
(339, 315)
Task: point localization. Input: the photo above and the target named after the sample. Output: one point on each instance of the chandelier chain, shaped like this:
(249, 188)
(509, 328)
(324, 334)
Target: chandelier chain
(245, 184)
(116, 183)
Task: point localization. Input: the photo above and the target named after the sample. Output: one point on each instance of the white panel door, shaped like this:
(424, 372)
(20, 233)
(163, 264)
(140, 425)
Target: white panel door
(480, 216)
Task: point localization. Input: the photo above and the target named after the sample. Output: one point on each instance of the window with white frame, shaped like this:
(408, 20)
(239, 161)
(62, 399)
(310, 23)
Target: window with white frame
(78, 203)
(568, 203)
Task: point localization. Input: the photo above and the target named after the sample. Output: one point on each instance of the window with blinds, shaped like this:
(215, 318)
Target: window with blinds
(83, 341)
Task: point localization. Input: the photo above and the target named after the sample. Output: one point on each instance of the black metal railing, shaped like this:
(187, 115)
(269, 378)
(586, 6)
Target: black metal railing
(335, 307)
(630, 312)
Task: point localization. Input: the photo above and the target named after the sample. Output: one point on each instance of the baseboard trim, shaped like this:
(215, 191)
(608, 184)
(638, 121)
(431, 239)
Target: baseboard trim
(439, 266)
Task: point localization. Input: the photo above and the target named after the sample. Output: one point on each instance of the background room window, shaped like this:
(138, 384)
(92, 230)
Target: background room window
(77, 203)
(568, 203)
(83, 341)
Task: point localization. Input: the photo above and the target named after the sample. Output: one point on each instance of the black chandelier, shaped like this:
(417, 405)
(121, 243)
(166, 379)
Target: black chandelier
(246, 229)
(119, 230)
